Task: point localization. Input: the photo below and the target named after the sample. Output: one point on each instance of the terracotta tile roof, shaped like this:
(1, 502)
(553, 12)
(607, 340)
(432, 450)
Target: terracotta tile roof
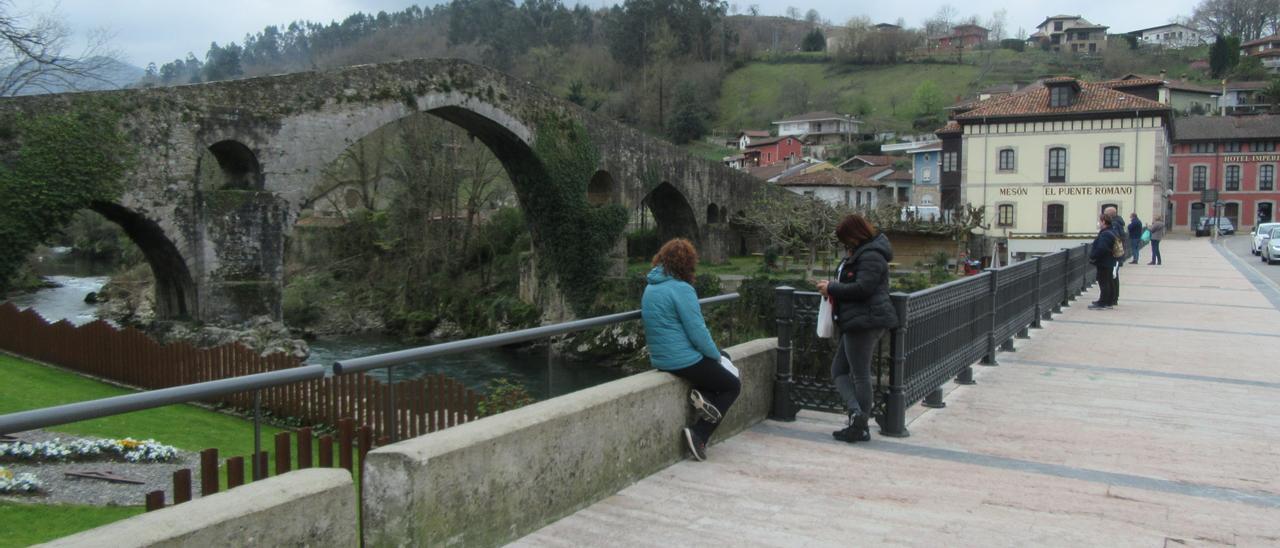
(1131, 83)
(872, 172)
(754, 133)
(951, 127)
(898, 175)
(876, 160)
(1260, 84)
(1093, 98)
(1263, 40)
(769, 171)
(826, 177)
(1223, 128)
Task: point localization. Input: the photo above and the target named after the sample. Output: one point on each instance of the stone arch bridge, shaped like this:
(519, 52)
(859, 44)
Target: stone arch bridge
(223, 168)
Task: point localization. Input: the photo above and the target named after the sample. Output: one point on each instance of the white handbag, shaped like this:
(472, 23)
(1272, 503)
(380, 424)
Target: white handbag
(826, 321)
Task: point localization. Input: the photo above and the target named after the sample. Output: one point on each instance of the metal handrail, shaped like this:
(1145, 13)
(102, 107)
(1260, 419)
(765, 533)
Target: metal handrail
(401, 357)
(92, 409)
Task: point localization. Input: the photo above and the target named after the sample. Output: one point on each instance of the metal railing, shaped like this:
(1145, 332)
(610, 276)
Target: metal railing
(942, 332)
(62, 414)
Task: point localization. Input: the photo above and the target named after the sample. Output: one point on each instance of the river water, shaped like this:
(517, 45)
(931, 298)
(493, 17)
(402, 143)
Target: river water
(543, 373)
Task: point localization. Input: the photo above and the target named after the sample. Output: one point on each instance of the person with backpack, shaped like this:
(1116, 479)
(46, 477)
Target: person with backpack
(1157, 233)
(863, 311)
(1117, 226)
(680, 343)
(1105, 254)
(1135, 237)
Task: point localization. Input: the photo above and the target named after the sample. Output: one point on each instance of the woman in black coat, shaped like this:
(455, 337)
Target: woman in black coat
(1102, 255)
(863, 311)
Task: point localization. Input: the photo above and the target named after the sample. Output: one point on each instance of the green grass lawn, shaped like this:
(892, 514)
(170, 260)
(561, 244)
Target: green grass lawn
(31, 386)
(709, 151)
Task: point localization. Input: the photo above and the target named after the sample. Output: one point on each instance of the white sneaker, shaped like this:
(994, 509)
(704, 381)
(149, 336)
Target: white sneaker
(706, 411)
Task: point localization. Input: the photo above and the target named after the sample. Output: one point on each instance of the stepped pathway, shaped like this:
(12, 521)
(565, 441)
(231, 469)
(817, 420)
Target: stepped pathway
(1153, 424)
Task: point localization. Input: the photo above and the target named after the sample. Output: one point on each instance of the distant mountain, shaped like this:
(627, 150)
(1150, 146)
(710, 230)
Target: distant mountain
(115, 75)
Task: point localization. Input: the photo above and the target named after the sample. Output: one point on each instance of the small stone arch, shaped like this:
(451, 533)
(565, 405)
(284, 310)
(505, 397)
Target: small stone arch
(714, 215)
(238, 164)
(601, 189)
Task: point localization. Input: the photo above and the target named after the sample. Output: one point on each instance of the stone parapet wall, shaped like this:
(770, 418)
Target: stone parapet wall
(314, 507)
(488, 482)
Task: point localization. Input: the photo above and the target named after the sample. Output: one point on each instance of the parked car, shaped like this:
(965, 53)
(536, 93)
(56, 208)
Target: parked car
(1271, 251)
(1225, 228)
(1261, 234)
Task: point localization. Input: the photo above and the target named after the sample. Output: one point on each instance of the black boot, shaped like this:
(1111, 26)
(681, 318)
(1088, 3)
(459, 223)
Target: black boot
(856, 431)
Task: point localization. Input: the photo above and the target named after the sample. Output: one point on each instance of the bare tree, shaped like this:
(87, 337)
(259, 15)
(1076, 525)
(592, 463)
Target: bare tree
(812, 17)
(793, 13)
(1244, 19)
(996, 24)
(36, 60)
(941, 22)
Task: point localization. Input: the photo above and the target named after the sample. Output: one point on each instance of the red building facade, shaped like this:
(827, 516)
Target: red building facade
(1236, 156)
(773, 150)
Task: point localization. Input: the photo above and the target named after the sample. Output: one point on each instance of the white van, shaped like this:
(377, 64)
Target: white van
(923, 213)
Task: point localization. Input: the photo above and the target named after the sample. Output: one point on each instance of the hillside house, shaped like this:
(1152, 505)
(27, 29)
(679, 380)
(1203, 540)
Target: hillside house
(1183, 96)
(1070, 33)
(766, 152)
(746, 136)
(926, 165)
(962, 37)
(820, 131)
(1267, 49)
(1243, 98)
(1170, 36)
(836, 187)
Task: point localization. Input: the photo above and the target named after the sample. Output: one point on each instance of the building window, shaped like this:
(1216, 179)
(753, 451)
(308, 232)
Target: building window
(1173, 173)
(1057, 165)
(846, 198)
(1060, 96)
(1007, 160)
(926, 174)
(1057, 25)
(1264, 146)
(1111, 157)
(808, 193)
(1200, 148)
(1233, 178)
(1199, 175)
(1004, 215)
(1054, 219)
(1233, 146)
(949, 161)
(1266, 177)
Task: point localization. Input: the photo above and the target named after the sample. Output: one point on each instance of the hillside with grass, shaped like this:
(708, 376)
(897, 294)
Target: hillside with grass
(882, 95)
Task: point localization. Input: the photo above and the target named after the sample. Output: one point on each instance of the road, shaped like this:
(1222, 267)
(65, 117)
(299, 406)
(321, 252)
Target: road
(1239, 245)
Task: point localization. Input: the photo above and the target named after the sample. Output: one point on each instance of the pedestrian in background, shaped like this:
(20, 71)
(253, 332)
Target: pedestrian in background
(863, 311)
(680, 344)
(1117, 227)
(1102, 256)
(1135, 237)
(1157, 233)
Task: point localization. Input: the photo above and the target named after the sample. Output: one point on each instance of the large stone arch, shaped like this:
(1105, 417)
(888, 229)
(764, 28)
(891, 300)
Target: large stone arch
(672, 213)
(176, 295)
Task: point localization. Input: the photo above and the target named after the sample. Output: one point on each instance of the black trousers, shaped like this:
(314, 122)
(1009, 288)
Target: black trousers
(717, 385)
(1107, 285)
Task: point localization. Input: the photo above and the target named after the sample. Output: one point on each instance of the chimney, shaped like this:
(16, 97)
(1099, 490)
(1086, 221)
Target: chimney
(1163, 74)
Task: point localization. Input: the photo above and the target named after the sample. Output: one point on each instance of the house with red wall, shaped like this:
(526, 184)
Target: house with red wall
(963, 36)
(1234, 155)
(764, 152)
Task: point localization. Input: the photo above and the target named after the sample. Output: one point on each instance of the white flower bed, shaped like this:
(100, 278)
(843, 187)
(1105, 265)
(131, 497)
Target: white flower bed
(18, 483)
(127, 449)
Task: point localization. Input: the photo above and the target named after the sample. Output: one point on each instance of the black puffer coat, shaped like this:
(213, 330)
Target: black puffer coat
(861, 293)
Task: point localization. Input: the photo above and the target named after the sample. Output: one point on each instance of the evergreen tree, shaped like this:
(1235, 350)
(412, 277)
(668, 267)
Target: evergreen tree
(814, 41)
(222, 63)
(687, 122)
(1223, 55)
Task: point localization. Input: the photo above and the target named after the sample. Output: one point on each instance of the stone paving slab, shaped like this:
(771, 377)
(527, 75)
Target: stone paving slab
(1146, 425)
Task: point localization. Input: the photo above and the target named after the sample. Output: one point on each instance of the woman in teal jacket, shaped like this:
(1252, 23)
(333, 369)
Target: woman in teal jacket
(680, 344)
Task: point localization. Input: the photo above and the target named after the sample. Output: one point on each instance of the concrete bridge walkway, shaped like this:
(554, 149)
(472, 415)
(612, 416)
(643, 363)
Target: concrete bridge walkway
(1153, 424)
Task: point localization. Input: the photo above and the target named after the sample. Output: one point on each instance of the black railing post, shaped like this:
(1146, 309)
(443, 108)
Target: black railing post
(1084, 269)
(895, 419)
(990, 358)
(1066, 283)
(258, 473)
(934, 399)
(1035, 320)
(784, 312)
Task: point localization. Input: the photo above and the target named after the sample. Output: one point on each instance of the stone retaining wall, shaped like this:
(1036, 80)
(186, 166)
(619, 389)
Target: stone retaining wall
(490, 481)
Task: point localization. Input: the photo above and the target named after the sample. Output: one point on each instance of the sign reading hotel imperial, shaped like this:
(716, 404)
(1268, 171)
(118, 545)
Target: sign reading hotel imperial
(1042, 163)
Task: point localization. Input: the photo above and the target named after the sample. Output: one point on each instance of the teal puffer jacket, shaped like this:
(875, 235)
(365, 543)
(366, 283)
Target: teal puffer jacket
(673, 325)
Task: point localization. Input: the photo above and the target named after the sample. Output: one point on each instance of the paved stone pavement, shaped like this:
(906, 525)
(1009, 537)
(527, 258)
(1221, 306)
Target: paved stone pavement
(1153, 424)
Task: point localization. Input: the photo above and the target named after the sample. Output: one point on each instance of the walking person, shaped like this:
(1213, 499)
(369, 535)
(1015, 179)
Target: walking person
(1135, 237)
(1102, 256)
(1157, 233)
(680, 344)
(862, 312)
(1117, 226)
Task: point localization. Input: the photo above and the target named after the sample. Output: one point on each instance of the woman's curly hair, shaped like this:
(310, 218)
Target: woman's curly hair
(678, 258)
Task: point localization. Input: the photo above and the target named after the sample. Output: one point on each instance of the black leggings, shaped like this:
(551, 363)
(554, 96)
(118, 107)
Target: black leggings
(717, 385)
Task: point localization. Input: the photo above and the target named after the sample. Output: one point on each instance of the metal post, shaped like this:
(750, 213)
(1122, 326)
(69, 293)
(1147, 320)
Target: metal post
(966, 376)
(1066, 283)
(390, 407)
(895, 419)
(1036, 319)
(1084, 269)
(934, 399)
(257, 434)
(990, 358)
(784, 312)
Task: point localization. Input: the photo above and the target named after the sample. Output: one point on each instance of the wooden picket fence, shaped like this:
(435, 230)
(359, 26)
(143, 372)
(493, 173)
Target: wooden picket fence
(352, 444)
(130, 357)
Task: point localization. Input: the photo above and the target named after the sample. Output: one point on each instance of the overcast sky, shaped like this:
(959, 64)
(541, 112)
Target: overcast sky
(163, 30)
